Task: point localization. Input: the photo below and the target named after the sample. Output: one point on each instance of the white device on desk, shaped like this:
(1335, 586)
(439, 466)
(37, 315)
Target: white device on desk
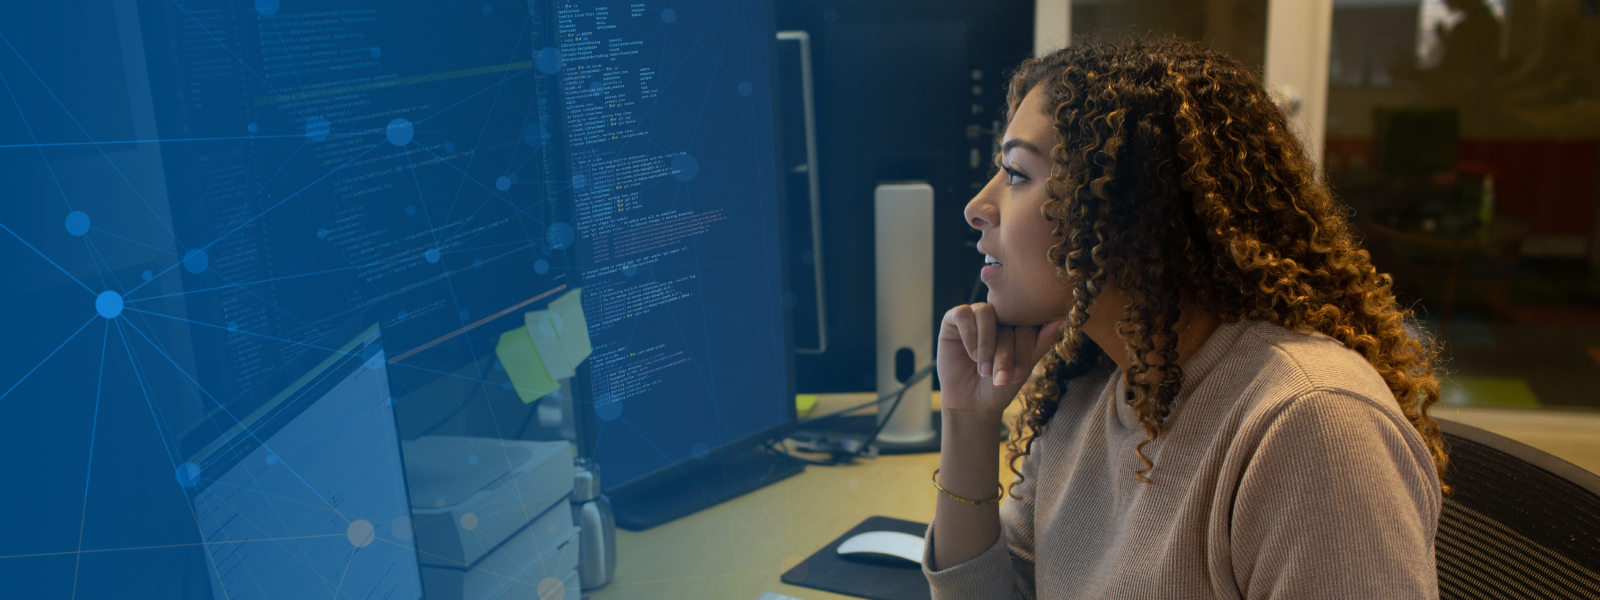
(883, 546)
(491, 518)
(903, 247)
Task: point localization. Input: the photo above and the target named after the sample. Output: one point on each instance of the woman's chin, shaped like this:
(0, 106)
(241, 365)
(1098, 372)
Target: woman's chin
(1006, 314)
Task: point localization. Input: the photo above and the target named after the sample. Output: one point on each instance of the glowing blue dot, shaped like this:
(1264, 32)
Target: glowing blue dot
(77, 222)
(700, 451)
(745, 88)
(272, 459)
(195, 261)
(252, 128)
(372, 356)
(322, 234)
(608, 407)
(669, 15)
(266, 8)
(808, 258)
(513, 177)
(400, 132)
(596, 88)
(464, 315)
(108, 304)
(830, 16)
(432, 255)
(541, 266)
(549, 60)
(559, 235)
(790, 300)
(534, 134)
(389, 401)
(318, 129)
(376, 52)
(487, 9)
(147, 275)
(502, 183)
(629, 270)
(449, 146)
(472, 460)
(685, 167)
(401, 314)
(578, 181)
(188, 474)
(477, 263)
(233, 327)
(411, 210)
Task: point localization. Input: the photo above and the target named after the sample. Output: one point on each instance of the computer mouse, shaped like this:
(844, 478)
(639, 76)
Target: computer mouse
(890, 548)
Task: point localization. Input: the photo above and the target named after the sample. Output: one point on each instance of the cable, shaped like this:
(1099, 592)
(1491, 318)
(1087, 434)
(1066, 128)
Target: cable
(882, 398)
(845, 453)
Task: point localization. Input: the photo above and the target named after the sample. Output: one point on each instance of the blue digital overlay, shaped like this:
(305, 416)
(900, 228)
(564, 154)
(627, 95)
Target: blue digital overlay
(258, 249)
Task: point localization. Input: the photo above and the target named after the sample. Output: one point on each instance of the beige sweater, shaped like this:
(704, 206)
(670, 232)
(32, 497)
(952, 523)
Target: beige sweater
(1286, 471)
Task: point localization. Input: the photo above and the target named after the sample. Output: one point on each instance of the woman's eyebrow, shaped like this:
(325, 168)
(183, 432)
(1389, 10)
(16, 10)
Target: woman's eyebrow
(1019, 143)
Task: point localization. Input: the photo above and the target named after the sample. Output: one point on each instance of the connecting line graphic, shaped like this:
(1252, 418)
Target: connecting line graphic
(85, 132)
(94, 428)
(258, 215)
(47, 358)
(477, 323)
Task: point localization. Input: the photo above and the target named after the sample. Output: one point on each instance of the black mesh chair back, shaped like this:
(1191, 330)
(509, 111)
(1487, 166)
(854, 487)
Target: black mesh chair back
(1520, 524)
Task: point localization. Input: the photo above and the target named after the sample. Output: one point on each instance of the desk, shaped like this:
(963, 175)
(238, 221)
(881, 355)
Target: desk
(739, 549)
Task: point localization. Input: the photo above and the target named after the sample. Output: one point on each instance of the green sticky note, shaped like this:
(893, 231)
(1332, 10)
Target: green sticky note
(574, 332)
(521, 360)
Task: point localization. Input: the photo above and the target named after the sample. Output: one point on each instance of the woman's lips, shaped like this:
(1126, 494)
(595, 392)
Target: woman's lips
(990, 270)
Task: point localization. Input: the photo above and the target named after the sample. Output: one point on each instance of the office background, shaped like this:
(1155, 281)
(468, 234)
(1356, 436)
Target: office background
(386, 212)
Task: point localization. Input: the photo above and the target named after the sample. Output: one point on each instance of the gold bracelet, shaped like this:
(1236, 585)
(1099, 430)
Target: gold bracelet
(964, 500)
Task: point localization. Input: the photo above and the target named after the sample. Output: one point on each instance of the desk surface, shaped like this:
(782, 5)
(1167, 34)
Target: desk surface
(738, 550)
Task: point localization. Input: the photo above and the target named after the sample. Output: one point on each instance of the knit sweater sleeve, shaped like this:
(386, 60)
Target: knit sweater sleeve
(1338, 500)
(1005, 570)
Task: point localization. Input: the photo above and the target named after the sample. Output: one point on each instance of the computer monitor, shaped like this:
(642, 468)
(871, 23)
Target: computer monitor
(246, 187)
(309, 488)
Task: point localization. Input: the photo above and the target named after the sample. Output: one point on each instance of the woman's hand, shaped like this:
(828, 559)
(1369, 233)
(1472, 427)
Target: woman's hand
(982, 364)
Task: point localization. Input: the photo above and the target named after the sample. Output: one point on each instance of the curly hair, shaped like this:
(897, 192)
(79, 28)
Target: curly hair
(1177, 172)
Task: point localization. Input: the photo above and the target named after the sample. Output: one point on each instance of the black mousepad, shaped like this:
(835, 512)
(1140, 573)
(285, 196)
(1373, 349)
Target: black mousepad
(828, 572)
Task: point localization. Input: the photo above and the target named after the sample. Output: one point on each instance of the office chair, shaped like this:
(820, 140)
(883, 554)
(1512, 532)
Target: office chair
(1520, 524)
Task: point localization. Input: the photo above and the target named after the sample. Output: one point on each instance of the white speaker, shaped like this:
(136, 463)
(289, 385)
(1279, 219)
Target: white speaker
(904, 260)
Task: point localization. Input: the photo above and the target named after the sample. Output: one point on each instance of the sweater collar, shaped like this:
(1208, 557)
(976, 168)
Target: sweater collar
(1200, 364)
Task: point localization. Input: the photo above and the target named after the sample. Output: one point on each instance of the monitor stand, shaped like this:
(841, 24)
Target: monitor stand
(721, 477)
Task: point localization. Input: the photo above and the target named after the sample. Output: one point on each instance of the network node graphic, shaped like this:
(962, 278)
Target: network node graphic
(108, 304)
(399, 132)
(196, 260)
(77, 223)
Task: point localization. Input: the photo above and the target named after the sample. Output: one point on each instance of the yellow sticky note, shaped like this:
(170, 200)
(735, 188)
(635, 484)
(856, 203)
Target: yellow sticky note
(516, 352)
(544, 328)
(574, 333)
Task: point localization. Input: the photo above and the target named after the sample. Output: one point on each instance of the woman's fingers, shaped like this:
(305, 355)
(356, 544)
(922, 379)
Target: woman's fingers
(966, 327)
(1005, 354)
(983, 315)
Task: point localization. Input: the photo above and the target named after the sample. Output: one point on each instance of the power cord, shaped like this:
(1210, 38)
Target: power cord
(846, 448)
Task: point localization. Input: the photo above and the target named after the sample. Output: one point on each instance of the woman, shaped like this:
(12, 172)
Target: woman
(1225, 399)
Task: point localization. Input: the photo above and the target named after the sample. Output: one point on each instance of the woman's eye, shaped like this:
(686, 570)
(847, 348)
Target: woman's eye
(1013, 177)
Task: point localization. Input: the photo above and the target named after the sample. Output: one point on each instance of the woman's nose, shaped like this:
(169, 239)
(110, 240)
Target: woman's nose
(980, 211)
